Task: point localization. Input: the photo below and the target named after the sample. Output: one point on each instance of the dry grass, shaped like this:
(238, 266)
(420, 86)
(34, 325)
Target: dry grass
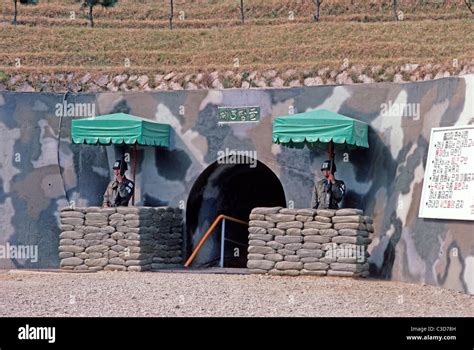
(209, 13)
(290, 45)
(220, 23)
(210, 38)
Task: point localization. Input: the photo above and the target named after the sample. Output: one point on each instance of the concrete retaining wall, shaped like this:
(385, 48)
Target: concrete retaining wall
(123, 238)
(42, 171)
(322, 242)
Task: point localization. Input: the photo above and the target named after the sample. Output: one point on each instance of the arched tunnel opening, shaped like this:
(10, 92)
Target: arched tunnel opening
(233, 190)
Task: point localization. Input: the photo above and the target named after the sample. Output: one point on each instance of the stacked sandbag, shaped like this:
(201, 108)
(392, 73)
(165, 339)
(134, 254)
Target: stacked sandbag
(123, 238)
(168, 236)
(135, 244)
(308, 242)
(83, 239)
(347, 254)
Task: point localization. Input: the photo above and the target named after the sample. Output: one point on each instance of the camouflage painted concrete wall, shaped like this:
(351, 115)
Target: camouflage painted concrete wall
(41, 171)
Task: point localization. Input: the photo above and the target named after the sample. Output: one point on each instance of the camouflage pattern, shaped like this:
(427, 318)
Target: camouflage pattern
(41, 171)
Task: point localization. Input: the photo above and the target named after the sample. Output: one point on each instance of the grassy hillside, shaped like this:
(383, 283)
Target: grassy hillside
(304, 46)
(209, 37)
(223, 13)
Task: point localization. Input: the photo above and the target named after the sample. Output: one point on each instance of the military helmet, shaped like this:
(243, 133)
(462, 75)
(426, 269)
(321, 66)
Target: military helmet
(120, 165)
(327, 166)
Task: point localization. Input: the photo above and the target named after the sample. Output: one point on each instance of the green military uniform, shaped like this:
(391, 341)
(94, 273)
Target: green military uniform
(118, 194)
(327, 196)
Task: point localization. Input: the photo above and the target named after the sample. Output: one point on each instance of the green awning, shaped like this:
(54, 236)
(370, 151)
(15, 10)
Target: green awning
(319, 127)
(119, 128)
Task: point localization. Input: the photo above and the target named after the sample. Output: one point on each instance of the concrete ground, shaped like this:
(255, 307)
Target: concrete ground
(29, 293)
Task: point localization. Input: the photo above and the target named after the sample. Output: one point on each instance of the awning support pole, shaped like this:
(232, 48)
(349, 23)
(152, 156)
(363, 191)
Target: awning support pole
(134, 166)
(331, 154)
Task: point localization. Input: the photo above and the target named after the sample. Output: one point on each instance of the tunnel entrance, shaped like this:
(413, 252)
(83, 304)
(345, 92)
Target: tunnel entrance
(233, 190)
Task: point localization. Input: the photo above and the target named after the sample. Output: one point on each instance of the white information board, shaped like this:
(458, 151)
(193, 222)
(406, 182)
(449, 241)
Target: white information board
(448, 186)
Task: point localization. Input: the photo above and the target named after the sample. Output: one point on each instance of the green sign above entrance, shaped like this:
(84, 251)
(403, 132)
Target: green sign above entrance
(238, 114)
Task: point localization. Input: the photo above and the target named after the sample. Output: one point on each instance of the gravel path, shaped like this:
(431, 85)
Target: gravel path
(25, 293)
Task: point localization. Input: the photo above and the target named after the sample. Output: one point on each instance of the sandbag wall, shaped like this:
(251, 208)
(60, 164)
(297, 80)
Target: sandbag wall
(309, 242)
(123, 238)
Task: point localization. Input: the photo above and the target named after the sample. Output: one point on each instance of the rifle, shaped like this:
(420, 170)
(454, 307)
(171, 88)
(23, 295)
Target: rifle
(123, 166)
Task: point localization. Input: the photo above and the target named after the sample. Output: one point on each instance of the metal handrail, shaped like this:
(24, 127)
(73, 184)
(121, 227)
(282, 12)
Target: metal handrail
(208, 233)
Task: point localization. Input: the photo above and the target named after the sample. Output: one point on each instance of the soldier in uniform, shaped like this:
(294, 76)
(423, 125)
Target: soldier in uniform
(120, 190)
(328, 192)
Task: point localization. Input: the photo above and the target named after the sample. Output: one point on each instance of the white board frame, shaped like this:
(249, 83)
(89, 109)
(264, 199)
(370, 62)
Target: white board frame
(439, 213)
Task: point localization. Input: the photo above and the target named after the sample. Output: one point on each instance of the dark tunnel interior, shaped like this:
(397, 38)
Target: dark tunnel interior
(233, 190)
